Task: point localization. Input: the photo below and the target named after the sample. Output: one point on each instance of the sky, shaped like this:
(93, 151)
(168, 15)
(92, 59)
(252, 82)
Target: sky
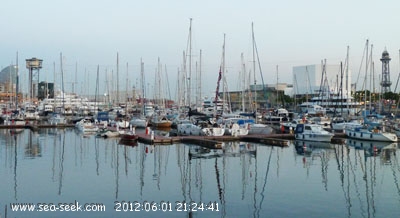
(90, 33)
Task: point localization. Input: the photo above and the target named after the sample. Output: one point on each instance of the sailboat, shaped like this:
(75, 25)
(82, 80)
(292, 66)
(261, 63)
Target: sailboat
(257, 128)
(372, 130)
(141, 121)
(160, 119)
(57, 118)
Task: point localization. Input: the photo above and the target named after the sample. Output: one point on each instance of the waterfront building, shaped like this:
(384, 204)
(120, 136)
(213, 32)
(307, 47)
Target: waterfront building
(45, 90)
(320, 79)
(8, 81)
(263, 98)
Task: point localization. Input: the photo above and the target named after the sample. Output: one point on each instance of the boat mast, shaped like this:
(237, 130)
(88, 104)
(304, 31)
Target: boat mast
(157, 88)
(348, 93)
(62, 81)
(254, 70)
(97, 89)
(142, 86)
(311, 91)
(54, 86)
(73, 84)
(371, 81)
(255, 52)
(365, 79)
(243, 81)
(108, 88)
(277, 81)
(296, 91)
(198, 96)
(190, 63)
(341, 89)
(117, 78)
(10, 86)
(178, 91)
(169, 90)
(126, 88)
(184, 82)
(223, 77)
(17, 84)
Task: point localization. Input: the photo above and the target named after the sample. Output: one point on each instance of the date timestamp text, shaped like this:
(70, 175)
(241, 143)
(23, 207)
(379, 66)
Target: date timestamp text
(164, 206)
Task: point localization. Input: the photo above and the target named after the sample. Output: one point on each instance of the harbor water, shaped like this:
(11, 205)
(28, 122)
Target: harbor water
(52, 168)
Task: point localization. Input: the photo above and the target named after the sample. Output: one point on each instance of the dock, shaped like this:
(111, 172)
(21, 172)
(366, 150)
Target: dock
(35, 127)
(216, 142)
(212, 142)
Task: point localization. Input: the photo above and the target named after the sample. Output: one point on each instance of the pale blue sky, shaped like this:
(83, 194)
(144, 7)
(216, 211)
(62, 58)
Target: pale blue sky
(288, 33)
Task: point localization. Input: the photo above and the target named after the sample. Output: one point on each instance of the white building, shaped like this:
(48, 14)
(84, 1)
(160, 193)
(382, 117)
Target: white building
(307, 80)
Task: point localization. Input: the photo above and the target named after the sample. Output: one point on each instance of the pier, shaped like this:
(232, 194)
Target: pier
(212, 142)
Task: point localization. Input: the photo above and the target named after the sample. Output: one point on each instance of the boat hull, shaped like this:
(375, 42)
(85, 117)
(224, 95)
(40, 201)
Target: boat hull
(214, 131)
(139, 123)
(314, 137)
(189, 129)
(259, 129)
(129, 137)
(371, 136)
(312, 132)
(162, 124)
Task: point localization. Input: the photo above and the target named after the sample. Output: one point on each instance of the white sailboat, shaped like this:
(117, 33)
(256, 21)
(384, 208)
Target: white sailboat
(375, 131)
(186, 127)
(86, 125)
(147, 108)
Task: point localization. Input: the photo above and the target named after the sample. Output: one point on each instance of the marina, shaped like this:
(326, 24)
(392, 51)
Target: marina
(136, 121)
(245, 179)
(147, 138)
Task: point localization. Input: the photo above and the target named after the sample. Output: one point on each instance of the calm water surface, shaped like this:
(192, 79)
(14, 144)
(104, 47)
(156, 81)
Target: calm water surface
(359, 179)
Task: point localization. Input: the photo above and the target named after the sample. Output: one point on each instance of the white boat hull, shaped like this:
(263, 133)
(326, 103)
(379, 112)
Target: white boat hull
(259, 129)
(139, 123)
(237, 130)
(314, 137)
(189, 129)
(371, 136)
(214, 131)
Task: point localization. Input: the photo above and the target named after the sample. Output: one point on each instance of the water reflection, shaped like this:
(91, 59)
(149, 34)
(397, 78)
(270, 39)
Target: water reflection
(373, 148)
(361, 170)
(231, 149)
(245, 179)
